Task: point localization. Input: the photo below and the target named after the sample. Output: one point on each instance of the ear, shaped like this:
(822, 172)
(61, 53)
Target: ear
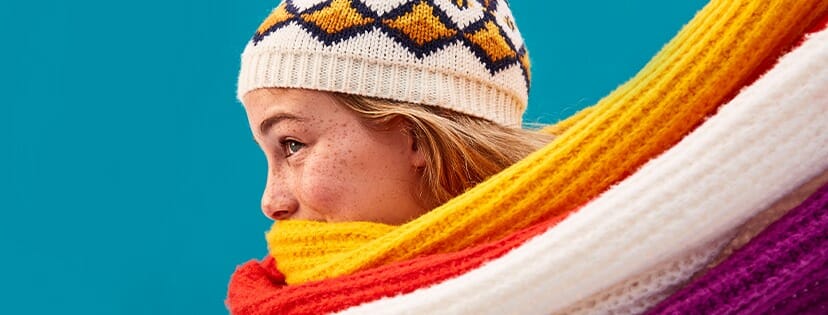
(417, 156)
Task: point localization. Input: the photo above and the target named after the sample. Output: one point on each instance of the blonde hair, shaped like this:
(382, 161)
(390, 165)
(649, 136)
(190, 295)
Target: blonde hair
(460, 150)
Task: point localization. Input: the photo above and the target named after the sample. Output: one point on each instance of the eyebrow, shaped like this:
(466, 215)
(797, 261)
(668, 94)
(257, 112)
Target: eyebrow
(269, 122)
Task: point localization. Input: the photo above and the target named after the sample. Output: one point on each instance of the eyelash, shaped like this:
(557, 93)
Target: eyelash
(285, 144)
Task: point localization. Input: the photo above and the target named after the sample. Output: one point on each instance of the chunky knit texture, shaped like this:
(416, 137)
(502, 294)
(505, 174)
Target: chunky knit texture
(755, 150)
(758, 223)
(250, 293)
(257, 288)
(466, 56)
(722, 49)
(782, 271)
(635, 295)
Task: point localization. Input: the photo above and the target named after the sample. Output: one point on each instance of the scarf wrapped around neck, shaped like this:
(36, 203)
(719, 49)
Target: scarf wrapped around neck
(783, 270)
(490, 242)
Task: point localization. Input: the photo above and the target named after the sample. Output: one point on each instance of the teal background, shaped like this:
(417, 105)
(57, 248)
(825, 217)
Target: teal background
(129, 180)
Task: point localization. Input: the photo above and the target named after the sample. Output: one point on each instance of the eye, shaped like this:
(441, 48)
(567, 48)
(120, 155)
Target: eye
(291, 146)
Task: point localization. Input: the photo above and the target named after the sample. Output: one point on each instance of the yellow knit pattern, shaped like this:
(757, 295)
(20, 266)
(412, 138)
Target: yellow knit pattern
(421, 25)
(493, 44)
(336, 17)
(389, 49)
(700, 69)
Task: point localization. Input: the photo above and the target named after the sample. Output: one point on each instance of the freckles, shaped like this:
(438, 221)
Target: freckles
(326, 181)
(339, 166)
(318, 188)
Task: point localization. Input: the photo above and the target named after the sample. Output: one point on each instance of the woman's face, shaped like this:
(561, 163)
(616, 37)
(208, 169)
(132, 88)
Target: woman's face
(324, 164)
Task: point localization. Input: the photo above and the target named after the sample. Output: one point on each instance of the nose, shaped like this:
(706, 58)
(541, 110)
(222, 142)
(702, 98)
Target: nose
(277, 201)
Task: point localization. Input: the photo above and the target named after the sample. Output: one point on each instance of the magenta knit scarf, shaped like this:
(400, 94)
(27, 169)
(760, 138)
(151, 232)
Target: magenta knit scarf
(784, 270)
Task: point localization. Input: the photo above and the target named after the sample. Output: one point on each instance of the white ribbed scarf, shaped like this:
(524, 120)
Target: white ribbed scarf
(664, 221)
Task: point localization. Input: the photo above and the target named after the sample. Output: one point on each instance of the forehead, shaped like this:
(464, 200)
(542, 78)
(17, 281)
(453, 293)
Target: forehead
(302, 102)
(262, 99)
(314, 107)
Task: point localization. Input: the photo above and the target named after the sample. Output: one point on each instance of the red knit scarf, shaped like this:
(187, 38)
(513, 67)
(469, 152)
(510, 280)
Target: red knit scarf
(257, 287)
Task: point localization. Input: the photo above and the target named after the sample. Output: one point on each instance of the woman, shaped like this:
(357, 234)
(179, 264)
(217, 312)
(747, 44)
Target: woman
(392, 125)
(339, 94)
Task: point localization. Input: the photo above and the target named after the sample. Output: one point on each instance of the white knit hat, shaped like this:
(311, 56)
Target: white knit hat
(463, 55)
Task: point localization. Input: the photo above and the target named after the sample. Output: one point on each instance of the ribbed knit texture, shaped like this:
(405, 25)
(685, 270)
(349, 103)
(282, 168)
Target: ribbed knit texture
(781, 271)
(766, 141)
(467, 56)
(812, 299)
(758, 223)
(722, 49)
(256, 289)
(635, 295)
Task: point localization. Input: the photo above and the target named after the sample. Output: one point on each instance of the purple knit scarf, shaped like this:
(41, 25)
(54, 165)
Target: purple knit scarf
(784, 270)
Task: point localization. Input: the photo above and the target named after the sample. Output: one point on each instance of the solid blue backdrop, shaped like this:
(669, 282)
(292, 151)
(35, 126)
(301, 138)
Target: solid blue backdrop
(130, 181)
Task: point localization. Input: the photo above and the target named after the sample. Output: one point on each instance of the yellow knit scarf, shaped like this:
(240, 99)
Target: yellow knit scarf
(719, 51)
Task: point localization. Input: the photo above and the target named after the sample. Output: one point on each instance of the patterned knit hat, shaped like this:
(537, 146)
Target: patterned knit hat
(463, 55)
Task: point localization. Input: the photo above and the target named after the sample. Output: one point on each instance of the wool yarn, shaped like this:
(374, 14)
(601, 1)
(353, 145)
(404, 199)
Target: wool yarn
(707, 63)
(467, 56)
(753, 151)
(761, 221)
(259, 276)
(730, 162)
(636, 295)
(781, 271)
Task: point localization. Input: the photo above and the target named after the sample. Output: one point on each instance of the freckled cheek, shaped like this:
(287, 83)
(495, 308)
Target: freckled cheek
(325, 187)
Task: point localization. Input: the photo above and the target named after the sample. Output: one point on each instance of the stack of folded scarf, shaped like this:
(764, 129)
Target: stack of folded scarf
(636, 195)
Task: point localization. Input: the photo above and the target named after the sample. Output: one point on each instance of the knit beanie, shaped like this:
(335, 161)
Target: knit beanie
(463, 55)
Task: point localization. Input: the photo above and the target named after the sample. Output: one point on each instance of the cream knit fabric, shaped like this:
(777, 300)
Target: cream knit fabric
(771, 137)
(637, 294)
(466, 56)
